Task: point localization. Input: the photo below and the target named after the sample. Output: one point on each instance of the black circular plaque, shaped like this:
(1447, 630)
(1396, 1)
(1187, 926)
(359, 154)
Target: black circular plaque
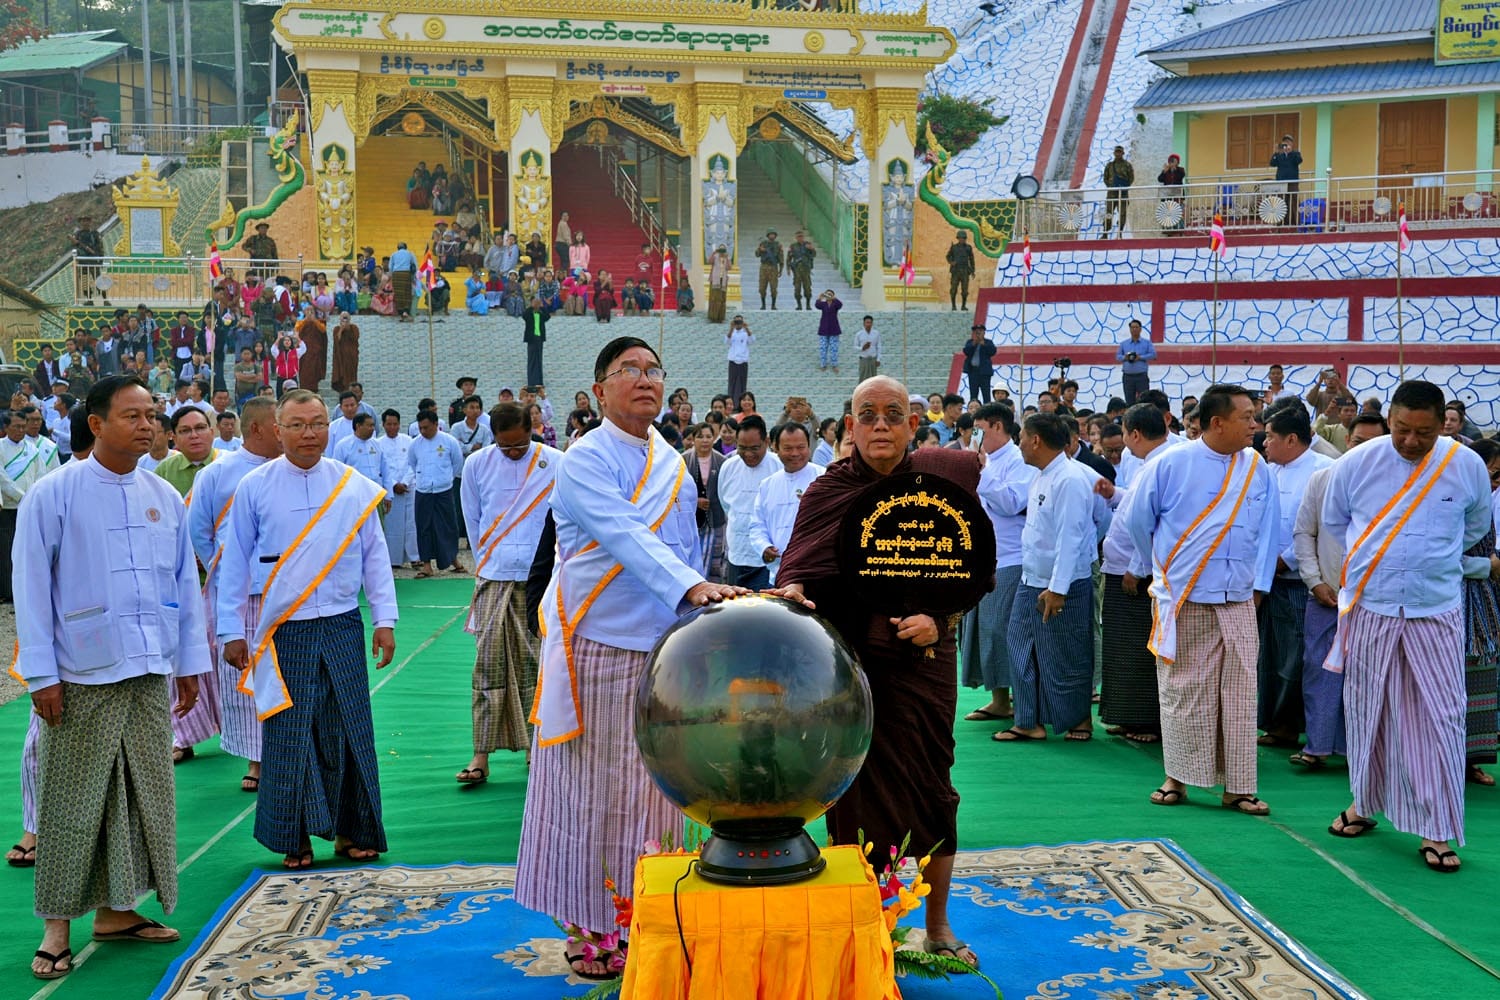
(917, 541)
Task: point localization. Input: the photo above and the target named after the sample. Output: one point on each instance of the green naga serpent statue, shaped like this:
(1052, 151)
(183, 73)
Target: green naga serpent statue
(288, 171)
(987, 239)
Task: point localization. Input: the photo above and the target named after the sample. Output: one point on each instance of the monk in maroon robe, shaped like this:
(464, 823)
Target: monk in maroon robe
(904, 786)
(313, 367)
(345, 354)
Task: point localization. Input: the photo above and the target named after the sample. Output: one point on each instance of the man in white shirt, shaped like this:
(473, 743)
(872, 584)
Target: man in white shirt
(161, 445)
(1320, 563)
(1003, 485)
(472, 433)
(1205, 516)
(43, 443)
(627, 540)
(342, 426)
(1128, 700)
(20, 467)
(776, 501)
(213, 493)
(401, 518)
(434, 460)
(738, 340)
(101, 662)
(739, 483)
(1280, 615)
(228, 438)
(312, 521)
(505, 490)
(361, 452)
(1407, 506)
(867, 339)
(1277, 387)
(1050, 634)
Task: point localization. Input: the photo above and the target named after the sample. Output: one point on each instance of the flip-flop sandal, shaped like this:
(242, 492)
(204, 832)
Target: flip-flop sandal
(1116, 731)
(347, 851)
(1477, 776)
(1349, 828)
(985, 715)
(56, 973)
(1143, 737)
(597, 977)
(1168, 797)
(181, 755)
(1079, 735)
(483, 776)
(253, 788)
(950, 949)
(23, 861)
(1308, 760)
(1016, 736)
(423, 574)
(133, 933)
(1239, 802)
(1433, 858)
(1269, 740)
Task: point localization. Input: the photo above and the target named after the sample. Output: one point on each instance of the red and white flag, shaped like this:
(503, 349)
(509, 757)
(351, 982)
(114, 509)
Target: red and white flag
(667, 261)
(215, 262)
(1216, 241)
(1403, 235)
(908, 273)
(428, 270)
(1026, 252)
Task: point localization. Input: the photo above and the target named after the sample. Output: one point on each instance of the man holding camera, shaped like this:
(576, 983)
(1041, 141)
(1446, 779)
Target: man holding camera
(1135, 355)
(1288, 163)
(738, 340)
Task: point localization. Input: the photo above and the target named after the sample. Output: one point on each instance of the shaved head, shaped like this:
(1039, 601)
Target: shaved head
(881, 423)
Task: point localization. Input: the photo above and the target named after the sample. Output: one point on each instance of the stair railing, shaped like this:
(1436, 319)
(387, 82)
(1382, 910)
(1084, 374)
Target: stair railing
(628, 191)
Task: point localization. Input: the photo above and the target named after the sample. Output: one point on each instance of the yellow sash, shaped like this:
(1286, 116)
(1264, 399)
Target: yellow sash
(492, 546)
(266, 686)
(1335, 661)
(551, 712)
(1166, 606)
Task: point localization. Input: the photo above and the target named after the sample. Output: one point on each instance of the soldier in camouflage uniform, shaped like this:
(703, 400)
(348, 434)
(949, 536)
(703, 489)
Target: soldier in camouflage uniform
(960, 270)
(772, 260)
(261, 247)
(89, 246)
(799, 264)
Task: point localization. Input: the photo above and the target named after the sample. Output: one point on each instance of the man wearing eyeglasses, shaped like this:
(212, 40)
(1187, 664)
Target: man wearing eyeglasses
(627, 545)
(505, 487)
(307, 525)
(904, 786)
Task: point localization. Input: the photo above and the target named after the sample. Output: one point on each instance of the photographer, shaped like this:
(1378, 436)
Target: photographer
(979, 363)
(1135, 355)
(1288, 163)
(286, 356)
(738, 340)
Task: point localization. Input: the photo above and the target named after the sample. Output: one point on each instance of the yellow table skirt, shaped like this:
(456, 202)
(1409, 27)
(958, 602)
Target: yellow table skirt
(823, 939)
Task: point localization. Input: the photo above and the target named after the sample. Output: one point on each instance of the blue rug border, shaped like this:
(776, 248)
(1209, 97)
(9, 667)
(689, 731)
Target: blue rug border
(256, 875)
(1333, 978)
(1307, 956)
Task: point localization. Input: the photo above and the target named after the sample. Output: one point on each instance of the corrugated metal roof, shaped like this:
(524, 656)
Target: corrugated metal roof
(1313, 83)
(59, 53)
(1300, 21)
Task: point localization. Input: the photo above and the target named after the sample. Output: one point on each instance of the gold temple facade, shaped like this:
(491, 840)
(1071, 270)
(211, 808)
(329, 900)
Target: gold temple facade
(515, 76)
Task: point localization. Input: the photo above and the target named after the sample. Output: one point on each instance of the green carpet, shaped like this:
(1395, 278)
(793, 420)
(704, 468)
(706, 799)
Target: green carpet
(1366, 907)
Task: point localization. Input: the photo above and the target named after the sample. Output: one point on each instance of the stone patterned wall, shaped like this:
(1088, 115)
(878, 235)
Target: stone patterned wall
(1051, 328)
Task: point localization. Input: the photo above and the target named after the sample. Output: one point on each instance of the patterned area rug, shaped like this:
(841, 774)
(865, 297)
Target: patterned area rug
(1119, 920)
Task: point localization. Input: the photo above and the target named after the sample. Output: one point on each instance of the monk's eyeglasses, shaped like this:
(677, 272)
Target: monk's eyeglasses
(892, 417)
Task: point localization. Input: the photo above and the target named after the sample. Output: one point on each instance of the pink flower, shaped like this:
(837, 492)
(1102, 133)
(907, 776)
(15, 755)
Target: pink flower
(653, 847)
(616, 962)
(891, 888)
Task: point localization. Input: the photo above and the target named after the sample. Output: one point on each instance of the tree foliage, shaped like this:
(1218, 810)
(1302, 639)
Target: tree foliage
(17, 25)
(957, 122)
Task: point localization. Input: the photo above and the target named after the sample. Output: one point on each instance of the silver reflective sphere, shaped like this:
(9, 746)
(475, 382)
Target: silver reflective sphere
(753, 716)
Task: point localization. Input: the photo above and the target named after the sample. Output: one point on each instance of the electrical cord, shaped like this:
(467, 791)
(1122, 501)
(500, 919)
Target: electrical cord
(677, 912)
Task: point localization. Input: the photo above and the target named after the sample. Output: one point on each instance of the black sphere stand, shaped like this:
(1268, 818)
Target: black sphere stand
(750, 852)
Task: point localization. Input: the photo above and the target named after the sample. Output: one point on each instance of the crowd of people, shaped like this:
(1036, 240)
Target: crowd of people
(1219, 573)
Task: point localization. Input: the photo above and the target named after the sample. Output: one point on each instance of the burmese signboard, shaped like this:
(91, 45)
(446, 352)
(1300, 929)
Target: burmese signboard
(1467, 31)
(303, 23)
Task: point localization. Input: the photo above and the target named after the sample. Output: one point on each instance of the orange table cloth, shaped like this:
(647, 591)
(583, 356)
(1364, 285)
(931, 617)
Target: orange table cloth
(822, 939)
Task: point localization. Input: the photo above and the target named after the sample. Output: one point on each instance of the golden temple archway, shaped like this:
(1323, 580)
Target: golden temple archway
(515, 77)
